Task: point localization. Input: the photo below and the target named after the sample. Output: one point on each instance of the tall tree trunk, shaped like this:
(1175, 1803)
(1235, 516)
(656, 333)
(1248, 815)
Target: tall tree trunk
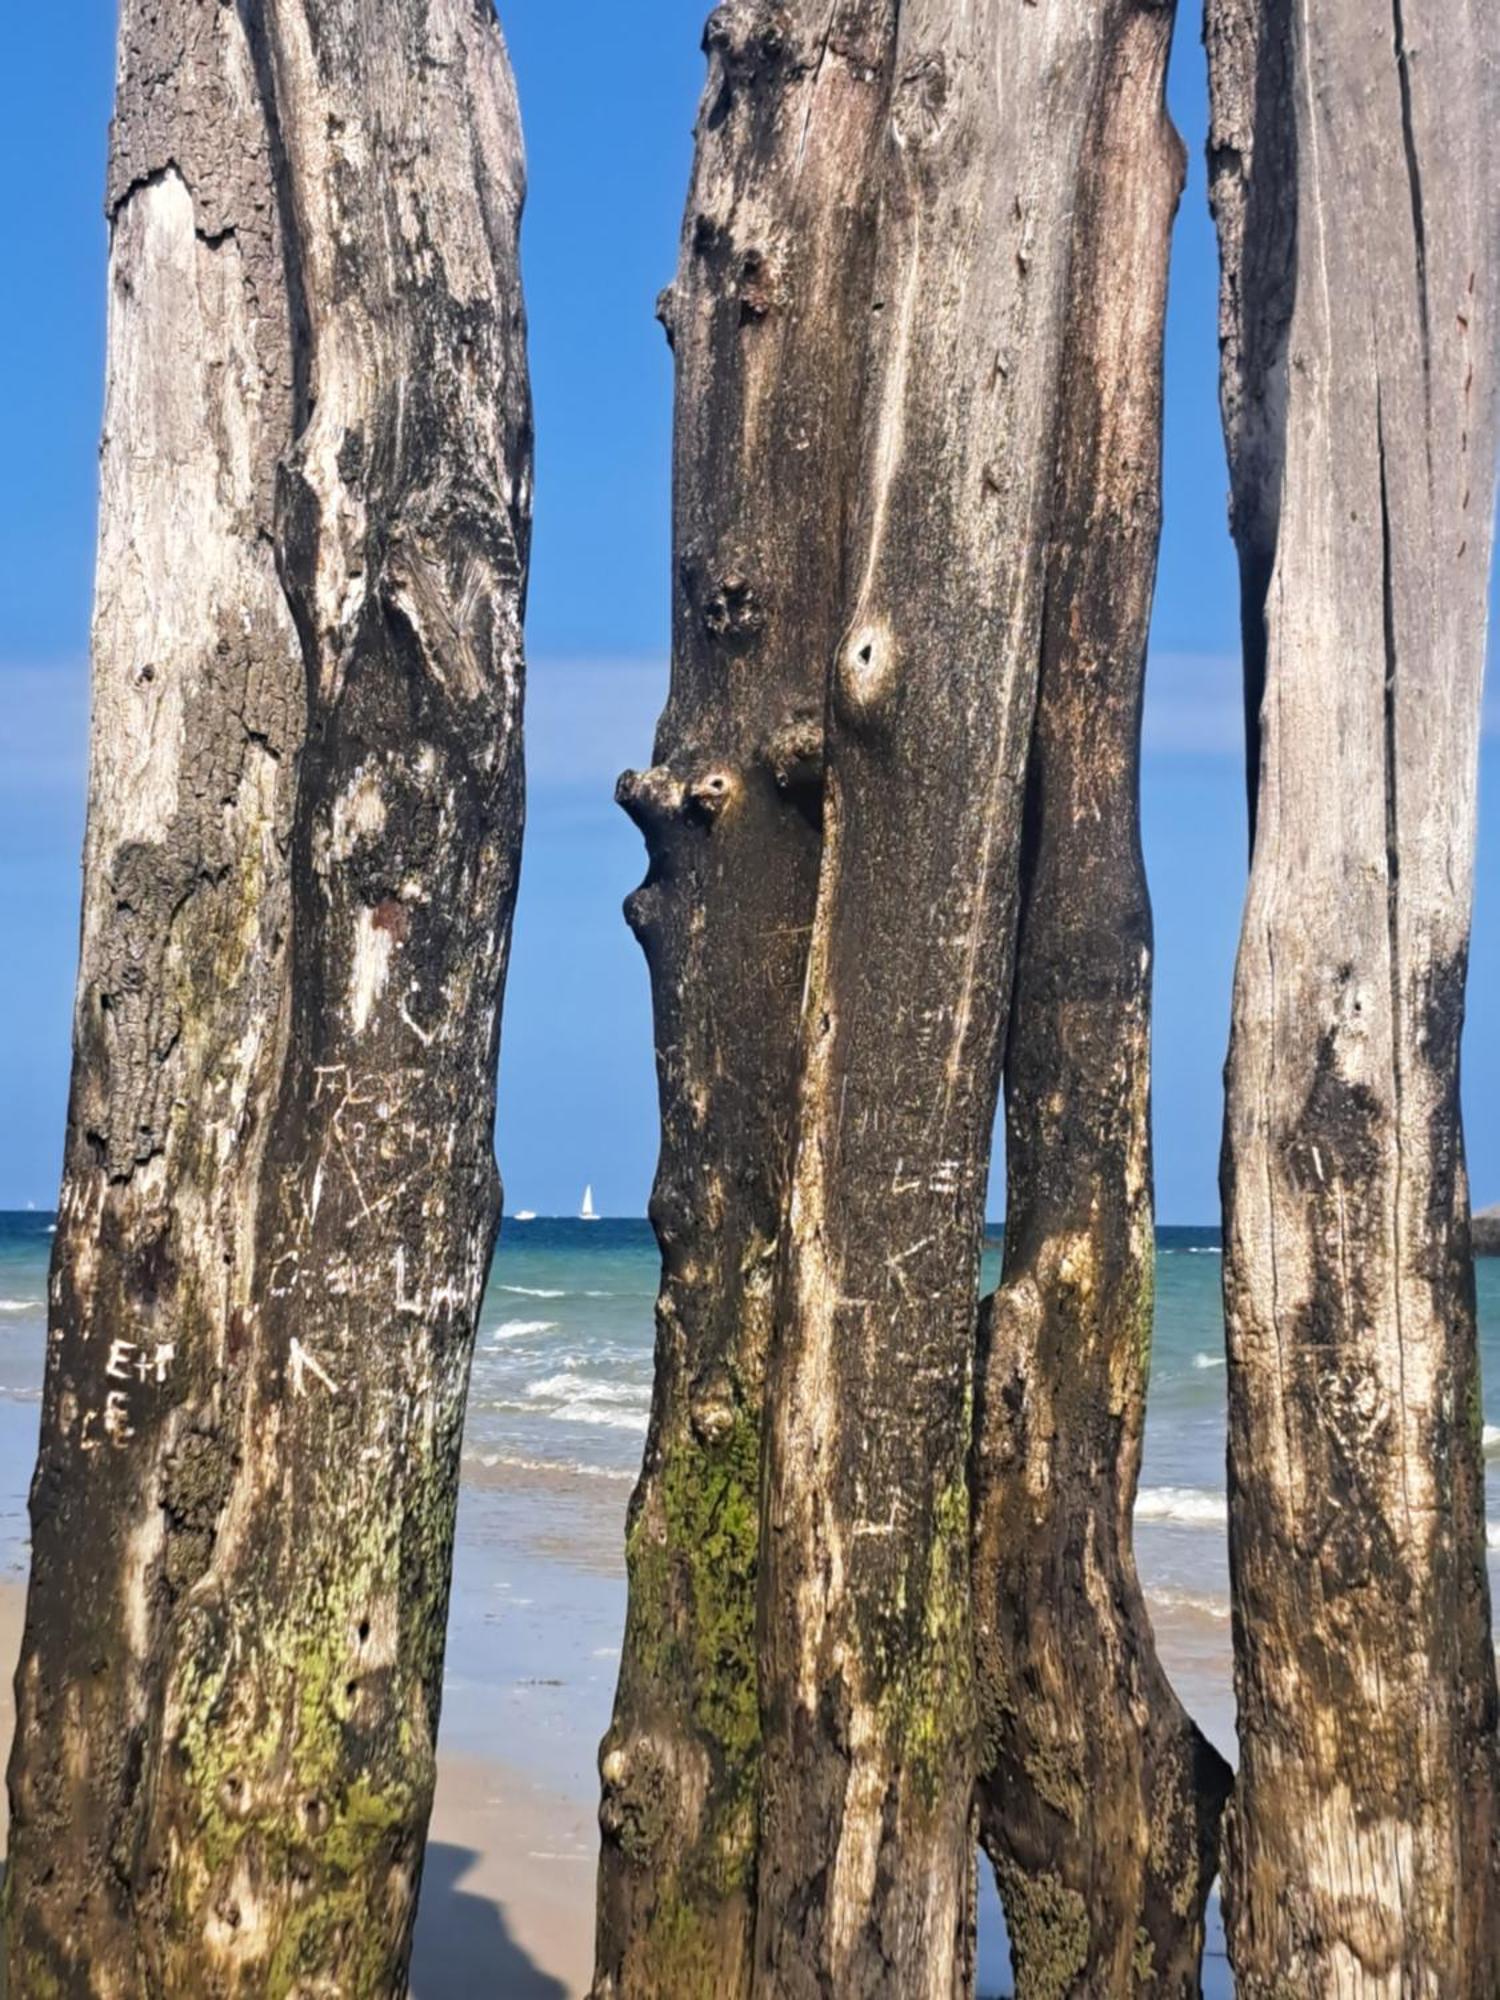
(1099, 1799)
(1358, 197)
(767, 319)
(232, 1668)
(866, 1868)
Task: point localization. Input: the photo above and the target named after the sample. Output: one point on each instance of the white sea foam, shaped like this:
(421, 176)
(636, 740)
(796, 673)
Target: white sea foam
(1492, 1535)
(23, 1305)
(532, 1291)
(493, 1461)
(612, 1419)
(1492, 1438)
(1195, 1603)
(1206, 1361)
(522, 1329)
(1183, 1506)
(562, 1388)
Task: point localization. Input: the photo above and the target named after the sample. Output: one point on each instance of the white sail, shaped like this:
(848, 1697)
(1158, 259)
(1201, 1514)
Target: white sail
(588, 1213)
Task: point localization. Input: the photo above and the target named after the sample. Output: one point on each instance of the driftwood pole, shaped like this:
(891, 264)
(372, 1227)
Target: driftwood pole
(1099, 1800)
(1357, 190)
(767, 320)
(281, 1193)
(868, 1695)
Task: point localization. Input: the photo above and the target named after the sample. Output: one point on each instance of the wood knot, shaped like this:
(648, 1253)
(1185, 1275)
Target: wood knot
(748, 36)
(732, 612)
(651, 798)
(710, 238)
(642, 908)
(866, 673)
(708, 795)
(760, 287)
(795, 755)
(635, 1813)
(920, 110)
(712, 1412)
(666, 313)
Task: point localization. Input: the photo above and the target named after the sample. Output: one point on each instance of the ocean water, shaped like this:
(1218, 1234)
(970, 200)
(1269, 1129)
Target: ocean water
(562, 1367)
(561, 1387)
(562, 1381)
(558, 1412)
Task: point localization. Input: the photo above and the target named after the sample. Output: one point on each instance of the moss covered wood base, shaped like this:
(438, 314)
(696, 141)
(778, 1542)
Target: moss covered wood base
(765, 316)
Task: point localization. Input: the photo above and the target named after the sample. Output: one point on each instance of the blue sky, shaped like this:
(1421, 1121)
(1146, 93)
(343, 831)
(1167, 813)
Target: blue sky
(609, 129)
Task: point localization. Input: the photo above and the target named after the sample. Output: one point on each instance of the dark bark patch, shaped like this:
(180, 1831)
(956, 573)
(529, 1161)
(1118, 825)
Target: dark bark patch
(196, 1478)
(1342, 1136)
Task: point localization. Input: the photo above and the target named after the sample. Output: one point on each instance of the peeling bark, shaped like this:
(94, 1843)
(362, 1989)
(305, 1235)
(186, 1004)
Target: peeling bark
(1099, 1799)
(766, 318)
(280, 1194)
(866, 1869)
(1358, 198)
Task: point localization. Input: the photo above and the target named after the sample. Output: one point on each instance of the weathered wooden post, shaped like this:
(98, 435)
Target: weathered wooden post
(304, 832)
(1099, 1800)
(1355, 181)
(767, 318)
(868, 1691)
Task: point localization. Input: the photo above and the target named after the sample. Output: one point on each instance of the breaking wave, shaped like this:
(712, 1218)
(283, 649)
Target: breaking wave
(1183, 1506)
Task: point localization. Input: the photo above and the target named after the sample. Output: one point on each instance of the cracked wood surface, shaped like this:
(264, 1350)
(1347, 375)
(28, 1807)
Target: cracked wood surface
(305, 816)
(1099, 1799)
(766, 318)
(1357, 194)
(867, 1858)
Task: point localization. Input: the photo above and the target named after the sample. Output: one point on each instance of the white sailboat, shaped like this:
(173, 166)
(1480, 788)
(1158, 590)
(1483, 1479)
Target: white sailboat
(588, 1213)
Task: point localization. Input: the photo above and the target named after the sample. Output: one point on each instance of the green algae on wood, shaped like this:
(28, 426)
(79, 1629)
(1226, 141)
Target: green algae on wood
(765, 318)
(304, 828)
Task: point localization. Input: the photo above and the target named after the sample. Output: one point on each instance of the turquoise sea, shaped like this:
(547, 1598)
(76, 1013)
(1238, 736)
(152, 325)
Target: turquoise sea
(562, 1374)
(557, 1418)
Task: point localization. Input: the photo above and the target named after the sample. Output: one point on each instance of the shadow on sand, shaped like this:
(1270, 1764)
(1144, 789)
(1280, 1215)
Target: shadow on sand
(463, 1948)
